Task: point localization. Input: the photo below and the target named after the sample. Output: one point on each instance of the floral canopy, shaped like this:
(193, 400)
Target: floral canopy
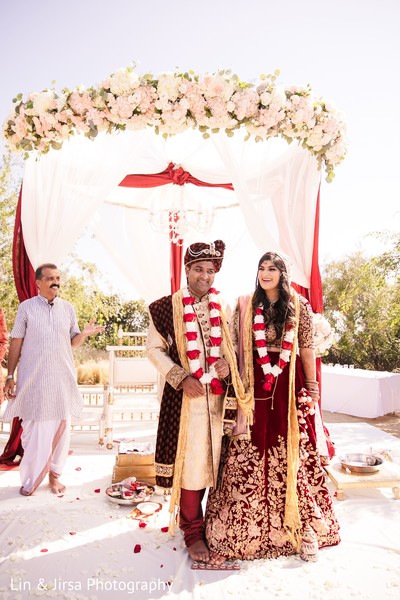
(233, 156)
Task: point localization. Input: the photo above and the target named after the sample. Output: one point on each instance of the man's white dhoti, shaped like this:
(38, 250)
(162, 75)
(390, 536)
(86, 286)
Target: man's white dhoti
(46, 446)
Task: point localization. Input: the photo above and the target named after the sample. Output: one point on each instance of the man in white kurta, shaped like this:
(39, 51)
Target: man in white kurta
(46, 393)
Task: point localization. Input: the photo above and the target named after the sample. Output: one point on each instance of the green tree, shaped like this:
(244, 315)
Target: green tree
(362, 302)
(10, 181)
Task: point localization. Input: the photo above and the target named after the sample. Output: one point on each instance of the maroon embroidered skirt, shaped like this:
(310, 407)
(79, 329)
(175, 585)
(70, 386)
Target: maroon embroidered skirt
(244, 516)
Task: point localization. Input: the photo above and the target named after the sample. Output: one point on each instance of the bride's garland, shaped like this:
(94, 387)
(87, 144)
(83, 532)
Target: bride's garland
(191, 334)
(271, 372)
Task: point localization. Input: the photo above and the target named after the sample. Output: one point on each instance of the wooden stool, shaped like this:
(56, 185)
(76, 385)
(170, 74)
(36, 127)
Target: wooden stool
(387, 476)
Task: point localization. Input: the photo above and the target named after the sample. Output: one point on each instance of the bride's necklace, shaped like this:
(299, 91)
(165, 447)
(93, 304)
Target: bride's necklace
(271, 372)
(192, 343)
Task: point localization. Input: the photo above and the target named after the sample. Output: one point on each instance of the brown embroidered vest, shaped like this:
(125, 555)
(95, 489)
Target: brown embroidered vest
(170, 411)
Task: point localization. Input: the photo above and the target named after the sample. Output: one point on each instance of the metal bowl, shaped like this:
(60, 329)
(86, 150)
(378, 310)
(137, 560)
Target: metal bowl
(361, 463)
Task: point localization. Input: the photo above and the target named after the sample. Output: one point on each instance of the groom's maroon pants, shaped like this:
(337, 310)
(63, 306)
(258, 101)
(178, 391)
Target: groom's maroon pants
(191, 519)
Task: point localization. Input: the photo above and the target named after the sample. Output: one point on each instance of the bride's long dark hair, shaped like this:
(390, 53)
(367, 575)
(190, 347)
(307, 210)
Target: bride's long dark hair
(282, 309)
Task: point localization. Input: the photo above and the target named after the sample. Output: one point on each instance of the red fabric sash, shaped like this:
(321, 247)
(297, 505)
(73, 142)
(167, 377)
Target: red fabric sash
(24, 278)
(177, 176)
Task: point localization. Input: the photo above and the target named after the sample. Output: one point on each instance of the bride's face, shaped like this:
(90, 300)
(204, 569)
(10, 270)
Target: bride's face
(268, 276)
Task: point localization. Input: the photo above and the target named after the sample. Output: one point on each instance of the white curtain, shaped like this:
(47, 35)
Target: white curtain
(277, 187)
(62, 190)
(272, 207)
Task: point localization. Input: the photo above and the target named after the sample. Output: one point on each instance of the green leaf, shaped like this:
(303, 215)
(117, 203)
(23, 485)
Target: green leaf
(330, 177)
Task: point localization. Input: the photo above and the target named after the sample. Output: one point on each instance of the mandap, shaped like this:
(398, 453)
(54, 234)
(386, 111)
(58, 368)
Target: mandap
(150, 164)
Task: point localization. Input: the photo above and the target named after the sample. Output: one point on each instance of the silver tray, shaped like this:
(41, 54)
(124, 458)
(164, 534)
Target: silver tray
(130, 501)
(361, 463)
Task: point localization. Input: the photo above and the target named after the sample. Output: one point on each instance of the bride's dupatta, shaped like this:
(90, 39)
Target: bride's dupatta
(245, 355)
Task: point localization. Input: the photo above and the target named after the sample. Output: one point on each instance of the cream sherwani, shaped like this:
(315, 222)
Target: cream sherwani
(203, 446)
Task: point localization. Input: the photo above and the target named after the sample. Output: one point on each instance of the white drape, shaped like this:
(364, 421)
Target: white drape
(277, 187)
(62, 189)
(272, 207)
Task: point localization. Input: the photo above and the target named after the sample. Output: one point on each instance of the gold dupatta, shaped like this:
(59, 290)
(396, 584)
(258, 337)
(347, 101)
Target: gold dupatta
(292, 522)
(245, 402)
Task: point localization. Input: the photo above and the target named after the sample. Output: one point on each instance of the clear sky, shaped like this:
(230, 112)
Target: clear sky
(347, 50)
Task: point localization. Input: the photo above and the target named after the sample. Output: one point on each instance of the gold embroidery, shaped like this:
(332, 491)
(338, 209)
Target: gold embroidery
(306, 325)
(231, 402)
(164, 470)
(245, 519)
(175, 376)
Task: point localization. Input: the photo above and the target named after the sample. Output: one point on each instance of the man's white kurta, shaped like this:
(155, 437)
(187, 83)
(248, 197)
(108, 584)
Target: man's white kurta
(46, 386)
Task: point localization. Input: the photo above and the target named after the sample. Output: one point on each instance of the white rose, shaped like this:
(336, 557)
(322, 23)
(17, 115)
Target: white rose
(43, 102)
(265, 98)
(123, 82)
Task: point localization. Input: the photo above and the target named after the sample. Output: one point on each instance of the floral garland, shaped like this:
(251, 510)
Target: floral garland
(193, 351)
(174, 102)
(271, 372)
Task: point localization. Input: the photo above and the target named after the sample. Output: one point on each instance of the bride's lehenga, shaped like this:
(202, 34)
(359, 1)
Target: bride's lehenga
(245, 516)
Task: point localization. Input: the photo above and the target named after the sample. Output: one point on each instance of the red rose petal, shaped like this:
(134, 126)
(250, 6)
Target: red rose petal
(142, 524)
(97, 491)
(174, 549)
(77, 498)
(164, 529)
(72, 533)
(137, 549)
(161, 566)
(61, 496)
(78, 469)
(190, 335)
(44, 550)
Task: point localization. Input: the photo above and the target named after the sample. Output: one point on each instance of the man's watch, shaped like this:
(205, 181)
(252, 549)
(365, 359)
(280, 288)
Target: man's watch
(10, 377)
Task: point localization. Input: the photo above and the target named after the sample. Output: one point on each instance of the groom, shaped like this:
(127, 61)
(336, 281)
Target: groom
(189, 344)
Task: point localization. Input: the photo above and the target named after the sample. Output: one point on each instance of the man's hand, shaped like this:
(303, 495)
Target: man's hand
(91, 328)
(192, 387)
(9, 389)
(222, 368)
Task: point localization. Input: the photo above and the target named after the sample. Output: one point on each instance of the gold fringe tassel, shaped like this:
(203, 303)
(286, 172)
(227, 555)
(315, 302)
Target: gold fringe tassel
(292, 521)
(177, 312)
(245, 401)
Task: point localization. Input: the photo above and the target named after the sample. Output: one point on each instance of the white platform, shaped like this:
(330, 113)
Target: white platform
(90, 542)
(360, 393)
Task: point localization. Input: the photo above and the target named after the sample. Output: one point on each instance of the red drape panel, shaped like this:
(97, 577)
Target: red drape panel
(24, 278)
(314, 294)
(24, 275)
(316, 298)
(177, 176)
